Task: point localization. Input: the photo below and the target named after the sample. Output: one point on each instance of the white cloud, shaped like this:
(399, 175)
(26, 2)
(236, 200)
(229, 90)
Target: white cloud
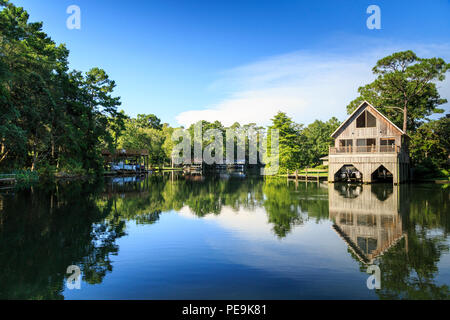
(254, 243)
(305, 85)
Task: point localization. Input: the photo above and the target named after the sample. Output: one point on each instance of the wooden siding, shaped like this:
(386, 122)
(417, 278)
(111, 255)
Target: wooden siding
(383, 129)
(368, 159)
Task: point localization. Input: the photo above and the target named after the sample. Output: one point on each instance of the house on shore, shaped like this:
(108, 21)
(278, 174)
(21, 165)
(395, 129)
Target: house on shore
(368, 148)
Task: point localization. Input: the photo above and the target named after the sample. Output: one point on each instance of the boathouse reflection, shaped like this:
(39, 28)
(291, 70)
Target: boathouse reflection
(366, 217)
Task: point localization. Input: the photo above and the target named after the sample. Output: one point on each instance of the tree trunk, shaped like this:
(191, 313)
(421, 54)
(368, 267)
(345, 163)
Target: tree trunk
(3, 152)
(405, 117)
(35, 157)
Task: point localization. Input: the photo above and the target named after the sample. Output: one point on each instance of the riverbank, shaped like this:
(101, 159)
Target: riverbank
(26, 178)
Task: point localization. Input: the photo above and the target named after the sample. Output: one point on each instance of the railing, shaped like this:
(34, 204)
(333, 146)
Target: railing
(365, 149)
(389, 149)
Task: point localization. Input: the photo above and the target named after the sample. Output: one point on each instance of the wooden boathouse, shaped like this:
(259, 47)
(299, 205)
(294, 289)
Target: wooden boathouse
(135, 161)
(368, 148)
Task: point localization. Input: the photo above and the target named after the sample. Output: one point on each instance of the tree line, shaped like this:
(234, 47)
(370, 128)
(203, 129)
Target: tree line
(50, 115)
(56, 119)
(300, 146)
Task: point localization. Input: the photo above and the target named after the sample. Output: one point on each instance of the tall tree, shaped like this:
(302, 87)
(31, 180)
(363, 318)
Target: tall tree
(407, 83)
(149, 121)
(50, 116)
(318, 139)
(290, 141)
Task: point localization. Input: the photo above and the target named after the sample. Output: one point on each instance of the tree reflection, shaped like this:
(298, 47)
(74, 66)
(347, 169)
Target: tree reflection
(411, 273)
(286, 205)
(43, 231)
(408, 227)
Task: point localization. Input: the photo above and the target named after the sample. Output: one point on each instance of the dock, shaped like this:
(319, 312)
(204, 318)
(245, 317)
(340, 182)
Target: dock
(198, 167)
(126, 161)
(308, 175)
(7, 179)
(195, 168)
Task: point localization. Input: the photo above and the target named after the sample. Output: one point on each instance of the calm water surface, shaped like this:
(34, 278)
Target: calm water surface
(224, 237)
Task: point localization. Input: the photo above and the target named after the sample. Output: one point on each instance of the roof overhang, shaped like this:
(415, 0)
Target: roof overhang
(375, 109)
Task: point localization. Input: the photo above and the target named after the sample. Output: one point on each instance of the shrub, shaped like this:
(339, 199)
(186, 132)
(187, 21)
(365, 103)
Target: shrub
(26, 178)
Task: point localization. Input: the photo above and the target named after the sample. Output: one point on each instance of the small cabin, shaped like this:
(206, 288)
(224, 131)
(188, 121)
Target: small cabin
(368, 148)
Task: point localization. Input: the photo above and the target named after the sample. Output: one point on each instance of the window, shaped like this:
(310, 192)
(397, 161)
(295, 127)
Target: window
(367, 245)
(387, 142)
(365, 142)
(366, 120)
(361, 121)
(371, 120)
(365, 145)
(346, 143)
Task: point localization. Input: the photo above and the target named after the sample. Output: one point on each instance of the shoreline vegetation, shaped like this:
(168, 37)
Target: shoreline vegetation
(55, 121)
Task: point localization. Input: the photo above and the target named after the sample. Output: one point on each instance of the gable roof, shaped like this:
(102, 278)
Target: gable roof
(363, 104)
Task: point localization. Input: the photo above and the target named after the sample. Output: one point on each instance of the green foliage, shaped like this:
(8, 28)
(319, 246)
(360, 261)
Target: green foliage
(116, 127)
(148, 121)
(46, 173)
(53, 117)
(406, 82)
(318, 139)
(430, 147)
(290, 141)
(26, 177)
(168, 144)
(302, 147)
(148, 137)
(50, 116)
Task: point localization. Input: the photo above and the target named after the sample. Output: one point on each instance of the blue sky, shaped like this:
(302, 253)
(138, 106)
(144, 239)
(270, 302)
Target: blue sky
(242, 60)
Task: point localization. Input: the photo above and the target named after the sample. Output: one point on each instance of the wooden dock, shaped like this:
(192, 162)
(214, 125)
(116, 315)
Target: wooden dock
(307, 175)
(195, 168)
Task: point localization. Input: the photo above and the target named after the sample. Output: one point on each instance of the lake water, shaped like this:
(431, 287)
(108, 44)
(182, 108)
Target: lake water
(224, 237)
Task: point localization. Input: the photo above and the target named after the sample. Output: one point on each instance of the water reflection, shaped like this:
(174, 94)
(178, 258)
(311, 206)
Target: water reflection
(369, 223)
(42, 231)
(403, 229)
